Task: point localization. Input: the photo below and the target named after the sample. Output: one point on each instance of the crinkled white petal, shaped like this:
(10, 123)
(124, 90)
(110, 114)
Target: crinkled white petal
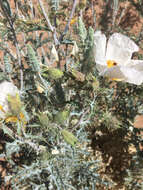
(134, 72)
(99, 47)
(120, 48)
(114, 73)
(101, 68)
(137, 64)
(6, 88)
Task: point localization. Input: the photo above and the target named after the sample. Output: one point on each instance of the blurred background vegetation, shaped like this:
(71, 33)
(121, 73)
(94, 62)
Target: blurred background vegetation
(77, 129)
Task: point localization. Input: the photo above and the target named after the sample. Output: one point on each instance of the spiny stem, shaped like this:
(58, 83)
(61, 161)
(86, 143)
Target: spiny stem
(69, 21)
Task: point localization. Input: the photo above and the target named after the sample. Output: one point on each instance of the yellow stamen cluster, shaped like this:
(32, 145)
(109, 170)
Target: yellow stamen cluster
(111, 63)
(15, 119)
(1, 108)
(117, 79)
(73, 21)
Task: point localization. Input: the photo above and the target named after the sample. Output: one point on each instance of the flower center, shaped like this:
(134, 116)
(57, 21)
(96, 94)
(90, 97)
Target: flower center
(111, 63)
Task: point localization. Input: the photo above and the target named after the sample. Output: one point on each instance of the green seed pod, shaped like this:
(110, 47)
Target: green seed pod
(15, 104)
(78, 75)
(69, 137)
(54, 73)
(44, 120)
(61, 117)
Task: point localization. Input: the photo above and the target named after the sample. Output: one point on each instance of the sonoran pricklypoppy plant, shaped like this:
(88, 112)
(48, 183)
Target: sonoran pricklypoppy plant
(113, 58)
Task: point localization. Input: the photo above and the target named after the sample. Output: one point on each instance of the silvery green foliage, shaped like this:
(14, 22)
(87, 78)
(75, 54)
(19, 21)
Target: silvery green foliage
(82, 30)
(7, 88)
(65, 169)
(115, 8)
(33, 59)
(88, 60)
(89, 44)
(6, 8)
(55, 4)
(7, 65)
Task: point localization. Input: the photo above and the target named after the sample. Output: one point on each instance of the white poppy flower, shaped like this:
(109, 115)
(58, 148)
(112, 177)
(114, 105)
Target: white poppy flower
(6, 88)
(113, 58)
